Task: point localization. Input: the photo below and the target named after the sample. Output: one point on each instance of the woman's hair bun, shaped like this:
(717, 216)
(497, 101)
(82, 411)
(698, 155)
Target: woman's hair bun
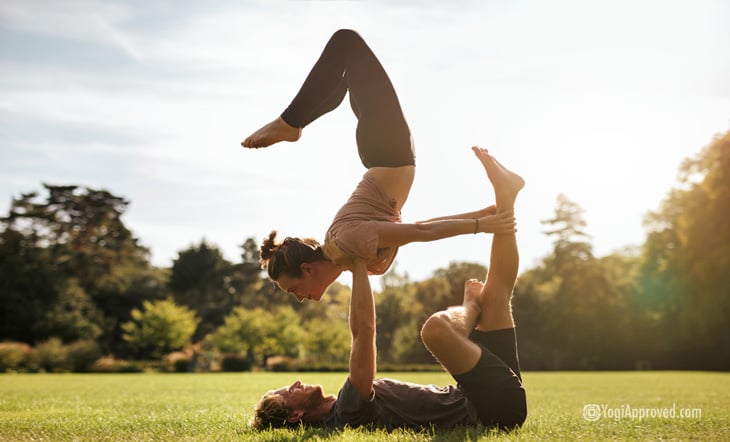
(269, 246)
(287, 256)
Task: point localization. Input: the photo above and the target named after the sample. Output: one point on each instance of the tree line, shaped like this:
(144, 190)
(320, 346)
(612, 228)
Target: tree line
(72, 274)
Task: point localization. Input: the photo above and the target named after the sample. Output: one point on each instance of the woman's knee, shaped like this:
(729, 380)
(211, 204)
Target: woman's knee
(346, 35)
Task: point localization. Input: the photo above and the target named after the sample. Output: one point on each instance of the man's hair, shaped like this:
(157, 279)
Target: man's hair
(271, 411)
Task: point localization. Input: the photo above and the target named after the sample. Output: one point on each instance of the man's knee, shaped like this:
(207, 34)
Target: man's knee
(434, 328)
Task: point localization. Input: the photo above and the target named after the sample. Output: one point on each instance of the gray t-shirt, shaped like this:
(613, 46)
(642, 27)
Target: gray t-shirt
(395, 404)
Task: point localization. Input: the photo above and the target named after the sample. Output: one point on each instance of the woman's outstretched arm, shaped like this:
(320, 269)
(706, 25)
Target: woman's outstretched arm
(400, 234)
(491, 210)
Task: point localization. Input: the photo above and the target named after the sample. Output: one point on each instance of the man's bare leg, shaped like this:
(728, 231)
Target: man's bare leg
(446, 333)
(274, 132)
(487, 305)
(496, 296)
(504, 260)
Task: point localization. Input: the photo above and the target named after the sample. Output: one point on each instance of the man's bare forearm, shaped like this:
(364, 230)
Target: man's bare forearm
(362, 328)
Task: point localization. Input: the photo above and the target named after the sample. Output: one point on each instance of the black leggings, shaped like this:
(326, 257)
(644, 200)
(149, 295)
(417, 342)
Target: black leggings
(347, 63)
(494, 385)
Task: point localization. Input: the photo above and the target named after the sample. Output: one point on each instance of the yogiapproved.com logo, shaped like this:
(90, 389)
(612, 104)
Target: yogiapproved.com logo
(594, 412)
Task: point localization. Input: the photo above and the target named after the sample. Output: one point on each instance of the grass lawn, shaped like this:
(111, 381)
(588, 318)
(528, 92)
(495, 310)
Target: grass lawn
(59, 407)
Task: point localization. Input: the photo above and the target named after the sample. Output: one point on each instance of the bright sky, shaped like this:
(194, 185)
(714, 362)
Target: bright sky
(599, 100)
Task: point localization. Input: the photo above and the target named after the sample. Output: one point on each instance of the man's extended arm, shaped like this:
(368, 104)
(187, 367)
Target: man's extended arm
(362, 328)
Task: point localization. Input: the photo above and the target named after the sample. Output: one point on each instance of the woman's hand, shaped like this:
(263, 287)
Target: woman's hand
(502, 222)
(491, 210)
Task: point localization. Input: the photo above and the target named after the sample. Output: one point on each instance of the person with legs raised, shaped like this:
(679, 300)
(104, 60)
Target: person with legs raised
(475, 343)
(369, 225)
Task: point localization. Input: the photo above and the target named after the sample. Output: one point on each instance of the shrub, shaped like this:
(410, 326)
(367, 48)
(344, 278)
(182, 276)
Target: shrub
(317, 367)
(259, 332)
(13, 355)
(105, 364)
(281, 363)
(162, 326)
(409, 367)
(235, 363)
(82, 354)
(52, 355)
(181, 366)
(108, 364)
(205, 356)
(129, 367)
(177, 361)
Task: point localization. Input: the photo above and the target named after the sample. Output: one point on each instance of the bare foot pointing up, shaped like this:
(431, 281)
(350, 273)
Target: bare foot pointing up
(506, 183)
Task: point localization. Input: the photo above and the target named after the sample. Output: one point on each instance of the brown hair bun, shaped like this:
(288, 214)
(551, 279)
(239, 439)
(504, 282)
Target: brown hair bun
(269, 246)
(286, 257)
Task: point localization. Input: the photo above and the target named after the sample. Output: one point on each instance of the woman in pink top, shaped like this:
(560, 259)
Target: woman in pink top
(368, 226)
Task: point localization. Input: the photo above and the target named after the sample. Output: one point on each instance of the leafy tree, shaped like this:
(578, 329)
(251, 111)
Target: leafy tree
(83, 230)
(686, 258)
(28, 286)
(568, 306)
(198, 281)
(73, 316)
(143, 284)
(571, 244)
(326, 332)
(632, 328)
(259, 333)
(246, 274)
(69, 241)
(327, 342)
(161, 327)
(396, 310)
(455, 275)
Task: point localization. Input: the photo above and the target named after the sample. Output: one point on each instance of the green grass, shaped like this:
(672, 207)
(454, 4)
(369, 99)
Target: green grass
(60, 407)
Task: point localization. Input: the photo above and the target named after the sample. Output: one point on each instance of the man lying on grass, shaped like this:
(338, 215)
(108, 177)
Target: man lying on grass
(475, 343)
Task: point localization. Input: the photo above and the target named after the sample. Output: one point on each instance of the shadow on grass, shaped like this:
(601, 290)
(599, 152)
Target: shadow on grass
(305, 433)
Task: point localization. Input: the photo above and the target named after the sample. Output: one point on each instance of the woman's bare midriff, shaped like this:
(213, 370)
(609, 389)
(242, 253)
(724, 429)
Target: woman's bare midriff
(395, 181)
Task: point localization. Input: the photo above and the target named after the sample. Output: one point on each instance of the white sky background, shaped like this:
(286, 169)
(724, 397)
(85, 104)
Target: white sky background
(600, 101)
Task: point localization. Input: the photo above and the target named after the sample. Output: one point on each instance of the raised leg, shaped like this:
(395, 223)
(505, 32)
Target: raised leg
(347, 64)
(486, 306)
(496, 296)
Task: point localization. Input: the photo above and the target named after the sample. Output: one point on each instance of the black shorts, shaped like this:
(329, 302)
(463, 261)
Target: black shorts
(494, 385)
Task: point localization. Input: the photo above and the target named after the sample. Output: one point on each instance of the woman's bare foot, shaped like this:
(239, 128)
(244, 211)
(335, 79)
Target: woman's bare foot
(277, 130)
(507, 184)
